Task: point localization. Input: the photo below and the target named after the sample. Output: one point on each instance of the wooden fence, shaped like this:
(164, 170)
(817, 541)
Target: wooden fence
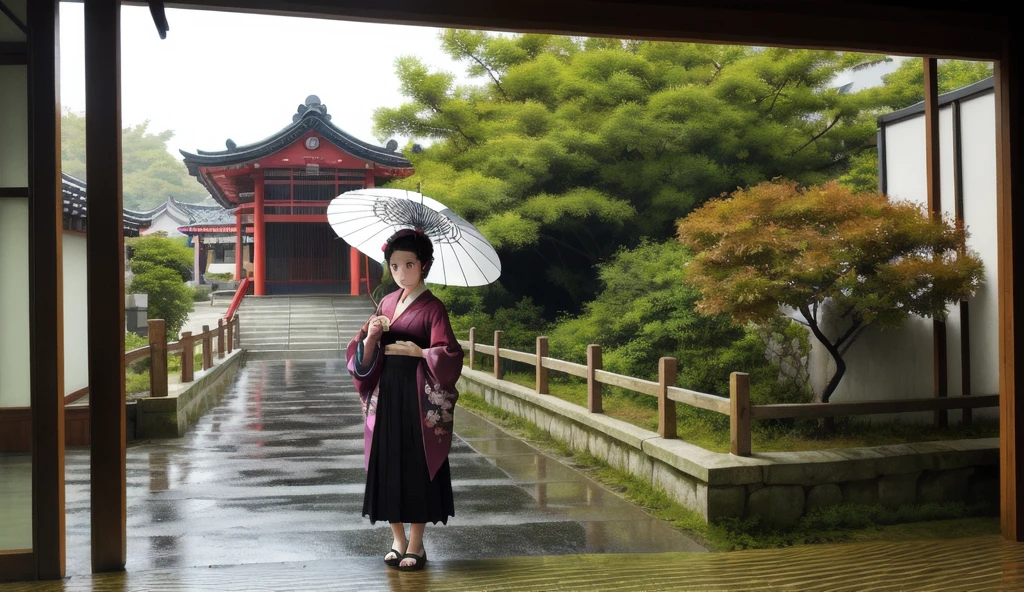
(158, 350)
(737, 406)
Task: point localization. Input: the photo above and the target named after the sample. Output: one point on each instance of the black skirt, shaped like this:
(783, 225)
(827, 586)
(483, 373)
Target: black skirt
(398, 484)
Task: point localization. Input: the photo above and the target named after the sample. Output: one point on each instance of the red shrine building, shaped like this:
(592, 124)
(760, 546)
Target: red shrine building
(278, 190)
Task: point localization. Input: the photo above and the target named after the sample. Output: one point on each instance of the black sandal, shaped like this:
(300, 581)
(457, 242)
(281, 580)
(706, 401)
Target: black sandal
(395, 561)
(421, 560)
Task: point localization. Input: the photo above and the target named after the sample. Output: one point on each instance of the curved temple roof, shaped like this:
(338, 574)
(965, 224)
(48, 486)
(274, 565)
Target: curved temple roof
(311, 116)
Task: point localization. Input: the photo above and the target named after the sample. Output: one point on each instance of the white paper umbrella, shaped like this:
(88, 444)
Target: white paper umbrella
(366, 218)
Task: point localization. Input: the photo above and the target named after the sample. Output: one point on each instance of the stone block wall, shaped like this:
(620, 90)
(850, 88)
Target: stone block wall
(777, 487)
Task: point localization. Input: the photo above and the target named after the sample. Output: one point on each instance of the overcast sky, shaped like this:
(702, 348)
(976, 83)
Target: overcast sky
(222, 75)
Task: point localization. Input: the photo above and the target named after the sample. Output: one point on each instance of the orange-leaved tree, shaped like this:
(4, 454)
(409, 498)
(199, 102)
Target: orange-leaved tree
(866, 258)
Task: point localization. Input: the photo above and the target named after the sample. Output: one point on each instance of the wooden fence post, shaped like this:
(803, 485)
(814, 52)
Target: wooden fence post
(207, 348)
(187, 353)
(666, 406)
(220, 338)
(472, 347)
(542, 372)
(593, 386)
(739, 413)
(497, 358)
(238, 331)
(231, 335)
(157, 358)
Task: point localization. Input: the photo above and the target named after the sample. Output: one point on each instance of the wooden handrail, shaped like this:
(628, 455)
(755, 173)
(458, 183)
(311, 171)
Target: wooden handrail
(737, 407)
(815, 410)
(139, 353)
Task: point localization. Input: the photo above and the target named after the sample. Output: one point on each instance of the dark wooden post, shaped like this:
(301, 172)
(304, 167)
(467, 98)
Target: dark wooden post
(105, 292)
(739, 413)
(497, 358)
(207, 348)
(542, 372)
(188, 352)
(666, 406)
(238, 331)
(1010, 215)
(45, 287)
(472, 347)
(593, 386)
(231, 335)
(933, 166)
(157, 358)
(220, 338)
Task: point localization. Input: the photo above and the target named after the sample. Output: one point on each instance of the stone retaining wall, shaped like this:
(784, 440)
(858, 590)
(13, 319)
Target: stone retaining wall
(778, 487)
(171, 416)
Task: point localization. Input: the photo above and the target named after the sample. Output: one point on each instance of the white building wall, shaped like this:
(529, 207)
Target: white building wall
(898, 364)
(76, 327)
(164, 222)
(14, 351)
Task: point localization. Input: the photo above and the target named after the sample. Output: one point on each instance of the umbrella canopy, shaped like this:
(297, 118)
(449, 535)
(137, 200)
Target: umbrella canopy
(366, 218)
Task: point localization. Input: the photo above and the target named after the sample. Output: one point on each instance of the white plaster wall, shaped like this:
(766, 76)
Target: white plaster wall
(165, 223)
(13, 125)
(14, 351)
(898, 364)
(76, 328)
(978, 127)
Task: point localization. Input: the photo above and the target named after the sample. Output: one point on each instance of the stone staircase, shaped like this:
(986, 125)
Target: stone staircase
(301, 327)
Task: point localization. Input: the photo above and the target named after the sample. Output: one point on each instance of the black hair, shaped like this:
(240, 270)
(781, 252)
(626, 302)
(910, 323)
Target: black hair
(416, 243)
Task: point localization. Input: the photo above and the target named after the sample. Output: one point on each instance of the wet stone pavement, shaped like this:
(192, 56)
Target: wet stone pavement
(275, 474)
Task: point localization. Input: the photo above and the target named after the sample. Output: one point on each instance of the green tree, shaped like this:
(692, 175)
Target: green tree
(149, 172)
(858, 257)
(169, 298)
(646, 310)
(157, 251)
(569, 148)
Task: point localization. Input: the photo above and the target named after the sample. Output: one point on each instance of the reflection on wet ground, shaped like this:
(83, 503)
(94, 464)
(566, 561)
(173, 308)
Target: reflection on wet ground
(275, 474)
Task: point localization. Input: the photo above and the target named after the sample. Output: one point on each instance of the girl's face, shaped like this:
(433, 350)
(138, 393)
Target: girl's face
(406, 269)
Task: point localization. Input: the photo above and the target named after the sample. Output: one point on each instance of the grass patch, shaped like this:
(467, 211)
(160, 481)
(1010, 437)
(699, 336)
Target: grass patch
(837, 524)
(710, 430)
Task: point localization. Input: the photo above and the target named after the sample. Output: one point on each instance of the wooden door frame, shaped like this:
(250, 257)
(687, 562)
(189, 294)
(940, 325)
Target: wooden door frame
(981, 31)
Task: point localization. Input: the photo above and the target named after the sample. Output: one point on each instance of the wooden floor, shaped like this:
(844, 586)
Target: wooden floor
(985, 563)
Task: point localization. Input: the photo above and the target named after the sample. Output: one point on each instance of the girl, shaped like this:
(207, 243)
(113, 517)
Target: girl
(408, 396)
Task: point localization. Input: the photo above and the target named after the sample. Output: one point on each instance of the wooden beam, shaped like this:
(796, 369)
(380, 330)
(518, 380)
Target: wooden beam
(17, 565)
(933, 168)
(46, 302)
(967, 416)
(105, 264)
(1010, 220)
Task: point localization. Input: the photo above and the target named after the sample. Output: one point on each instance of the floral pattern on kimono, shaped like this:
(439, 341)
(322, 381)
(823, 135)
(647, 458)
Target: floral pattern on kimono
(437, 373)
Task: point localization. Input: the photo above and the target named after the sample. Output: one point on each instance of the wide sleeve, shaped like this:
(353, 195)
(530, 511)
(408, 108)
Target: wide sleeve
(364, 377)
(444, 356)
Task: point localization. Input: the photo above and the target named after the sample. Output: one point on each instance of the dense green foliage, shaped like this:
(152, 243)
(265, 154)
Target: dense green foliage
(570, 149)
(149, 172)
(864, 258)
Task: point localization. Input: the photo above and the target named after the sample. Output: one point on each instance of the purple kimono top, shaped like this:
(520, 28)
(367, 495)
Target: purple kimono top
(438, 371)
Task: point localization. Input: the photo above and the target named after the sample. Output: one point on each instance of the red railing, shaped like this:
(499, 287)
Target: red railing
(237, 300)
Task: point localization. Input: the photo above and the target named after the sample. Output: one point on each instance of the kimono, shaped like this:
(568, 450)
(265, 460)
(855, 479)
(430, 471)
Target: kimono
(427, 319)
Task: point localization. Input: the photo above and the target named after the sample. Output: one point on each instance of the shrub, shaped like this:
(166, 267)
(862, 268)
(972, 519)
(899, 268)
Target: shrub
(169, 298)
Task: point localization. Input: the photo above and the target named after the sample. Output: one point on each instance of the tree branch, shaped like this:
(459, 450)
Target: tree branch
(487, 68)
(815, 138)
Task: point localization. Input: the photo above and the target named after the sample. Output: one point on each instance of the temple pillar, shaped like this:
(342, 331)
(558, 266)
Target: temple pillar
(197, 254)
(238, 246)
(259, 259)
(353, 271)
